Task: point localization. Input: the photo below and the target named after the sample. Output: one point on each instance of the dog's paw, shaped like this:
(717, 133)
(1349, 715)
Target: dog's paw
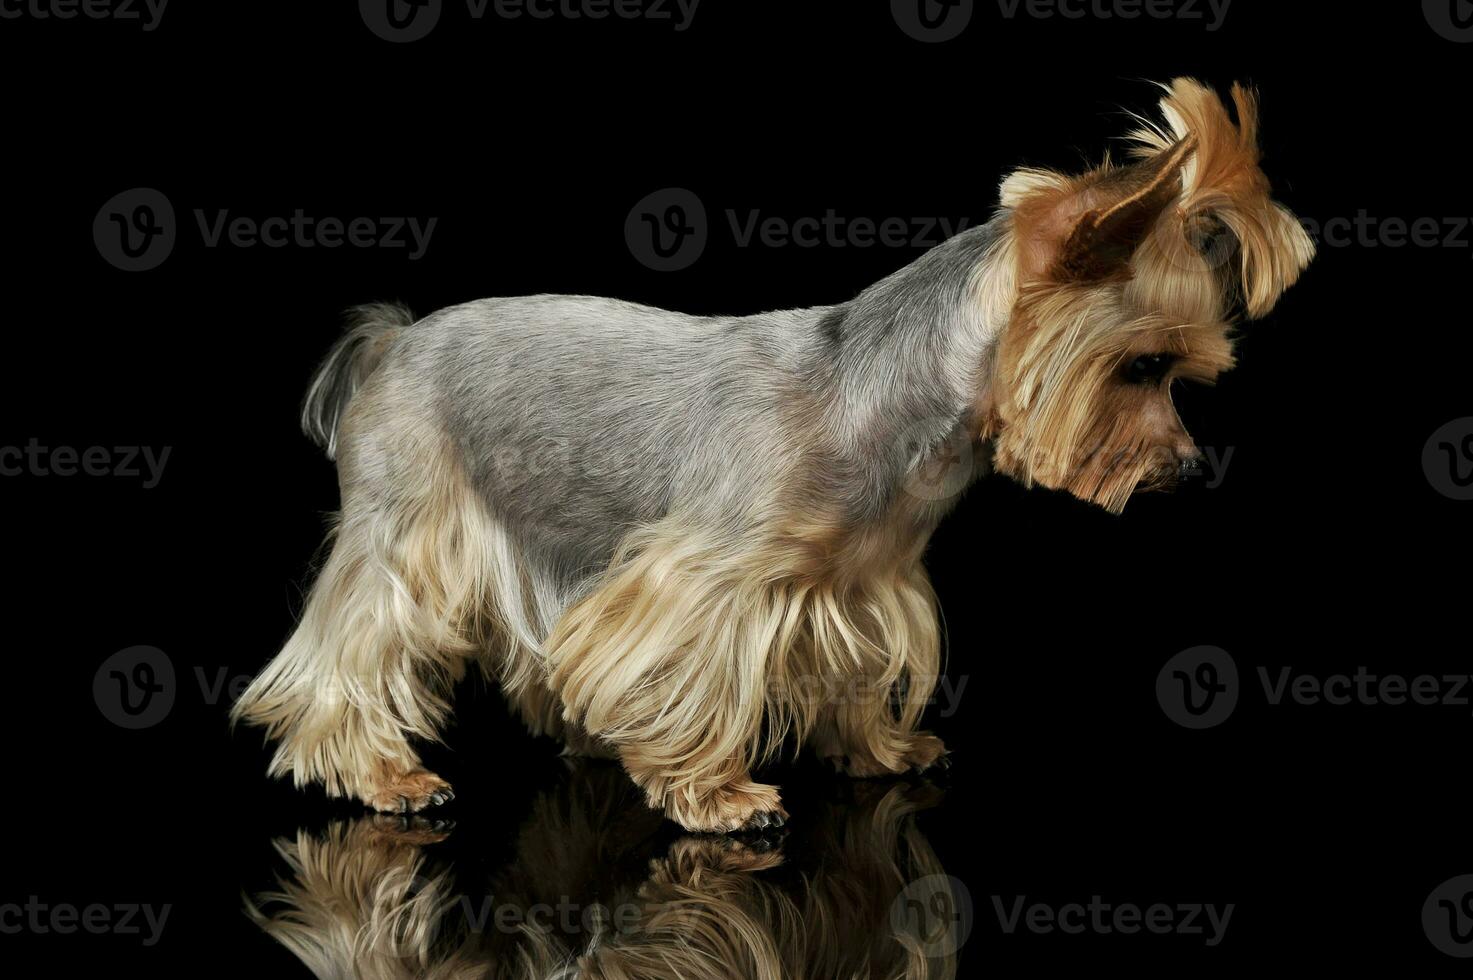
(763, 820)
(735, 808)
(409, 792)
(398, 830)
(927, 752)
(724, 854)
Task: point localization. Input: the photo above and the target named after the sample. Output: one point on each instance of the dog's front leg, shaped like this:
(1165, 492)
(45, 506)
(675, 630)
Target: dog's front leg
(666, 661)
(864, 744)
(877, 685)
(701, 788)
(683, 730)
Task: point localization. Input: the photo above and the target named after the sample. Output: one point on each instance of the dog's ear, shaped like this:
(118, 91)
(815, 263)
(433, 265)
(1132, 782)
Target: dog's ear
(1086, 229)
(1105, 237)
(1226, 182)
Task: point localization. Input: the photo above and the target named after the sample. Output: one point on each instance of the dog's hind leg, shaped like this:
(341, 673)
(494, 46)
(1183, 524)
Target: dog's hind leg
(399, 608)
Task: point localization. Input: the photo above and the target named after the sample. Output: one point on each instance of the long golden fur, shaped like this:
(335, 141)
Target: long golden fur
(699, 654)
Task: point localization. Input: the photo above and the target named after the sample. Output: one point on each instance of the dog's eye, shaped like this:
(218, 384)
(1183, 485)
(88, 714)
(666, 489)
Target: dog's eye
(1210, 236)
(1149, 368)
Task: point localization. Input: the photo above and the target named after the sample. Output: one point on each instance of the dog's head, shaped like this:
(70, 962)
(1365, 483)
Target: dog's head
(1128, 279)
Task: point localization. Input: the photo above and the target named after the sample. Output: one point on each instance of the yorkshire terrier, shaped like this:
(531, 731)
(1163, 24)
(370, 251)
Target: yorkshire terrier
(671, 539)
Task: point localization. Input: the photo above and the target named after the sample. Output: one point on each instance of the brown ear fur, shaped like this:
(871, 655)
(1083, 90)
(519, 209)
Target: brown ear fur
(1105, 237)
(1223, 180)
(1060, 221)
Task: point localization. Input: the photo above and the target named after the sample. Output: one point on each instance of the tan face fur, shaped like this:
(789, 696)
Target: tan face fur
(1127, 279)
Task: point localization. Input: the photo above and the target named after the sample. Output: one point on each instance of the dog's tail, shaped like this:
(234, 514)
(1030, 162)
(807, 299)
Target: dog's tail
(349, 363)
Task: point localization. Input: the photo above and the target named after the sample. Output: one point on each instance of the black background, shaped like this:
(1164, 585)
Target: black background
(1324, 548)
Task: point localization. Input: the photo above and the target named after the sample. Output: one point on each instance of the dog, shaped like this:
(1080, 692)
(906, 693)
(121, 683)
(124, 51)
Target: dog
(685, 542)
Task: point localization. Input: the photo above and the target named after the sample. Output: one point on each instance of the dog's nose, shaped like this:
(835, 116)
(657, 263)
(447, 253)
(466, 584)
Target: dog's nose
(1189, 460)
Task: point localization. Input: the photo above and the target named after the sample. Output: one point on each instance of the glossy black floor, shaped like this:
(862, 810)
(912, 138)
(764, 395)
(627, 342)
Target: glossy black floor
(1079, 826)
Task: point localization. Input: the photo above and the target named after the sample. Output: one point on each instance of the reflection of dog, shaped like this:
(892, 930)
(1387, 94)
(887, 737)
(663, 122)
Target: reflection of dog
(659, 531)
(585, 899)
